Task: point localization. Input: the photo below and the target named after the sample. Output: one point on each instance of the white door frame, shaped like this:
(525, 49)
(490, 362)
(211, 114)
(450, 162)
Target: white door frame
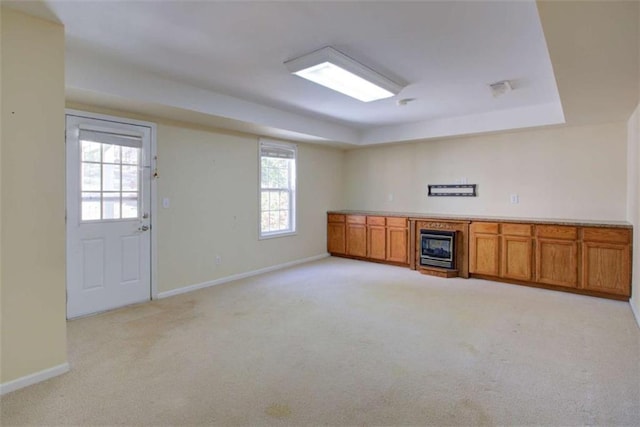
(154, 185)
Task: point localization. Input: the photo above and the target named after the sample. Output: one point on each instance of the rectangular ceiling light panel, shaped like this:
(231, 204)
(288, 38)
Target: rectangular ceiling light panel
(332, 69)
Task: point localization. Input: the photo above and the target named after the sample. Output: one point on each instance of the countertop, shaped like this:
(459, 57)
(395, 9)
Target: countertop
(554, 221)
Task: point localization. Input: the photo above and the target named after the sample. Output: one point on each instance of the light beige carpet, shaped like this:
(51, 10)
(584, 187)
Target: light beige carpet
(341, 342)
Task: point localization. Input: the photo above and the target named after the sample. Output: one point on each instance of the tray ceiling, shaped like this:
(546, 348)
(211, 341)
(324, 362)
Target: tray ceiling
(225, 60)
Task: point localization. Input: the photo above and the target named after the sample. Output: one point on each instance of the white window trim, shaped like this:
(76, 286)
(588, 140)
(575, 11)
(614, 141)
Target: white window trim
(294, 211)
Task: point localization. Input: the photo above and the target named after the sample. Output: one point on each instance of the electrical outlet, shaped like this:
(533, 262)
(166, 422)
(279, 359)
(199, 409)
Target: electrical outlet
(390, 197)
(166, 203)
(515, 199)
(218, 260)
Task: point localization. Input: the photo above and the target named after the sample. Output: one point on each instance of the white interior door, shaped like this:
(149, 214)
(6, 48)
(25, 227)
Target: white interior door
(108, 215)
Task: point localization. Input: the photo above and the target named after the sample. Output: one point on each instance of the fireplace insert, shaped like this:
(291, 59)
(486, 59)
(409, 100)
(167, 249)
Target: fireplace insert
(437, 248)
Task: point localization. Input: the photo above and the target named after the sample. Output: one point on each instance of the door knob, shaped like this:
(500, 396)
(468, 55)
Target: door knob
(143, 228)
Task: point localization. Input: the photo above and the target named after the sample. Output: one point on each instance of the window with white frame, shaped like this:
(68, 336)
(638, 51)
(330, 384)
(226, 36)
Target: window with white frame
(277, 188)
(110, 175)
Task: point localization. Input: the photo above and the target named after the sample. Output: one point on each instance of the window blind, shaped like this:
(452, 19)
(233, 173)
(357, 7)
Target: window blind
(270, 149)
(110, 138)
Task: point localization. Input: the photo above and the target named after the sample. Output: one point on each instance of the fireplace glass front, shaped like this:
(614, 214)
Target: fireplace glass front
(437, 248)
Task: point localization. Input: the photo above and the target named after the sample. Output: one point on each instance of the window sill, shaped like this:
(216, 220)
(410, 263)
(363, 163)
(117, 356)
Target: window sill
(276, 235)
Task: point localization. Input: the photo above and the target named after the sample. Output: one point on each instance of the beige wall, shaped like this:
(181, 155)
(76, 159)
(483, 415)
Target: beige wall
(32, 208)
(564, 172)
(633, 205)
(211, 179)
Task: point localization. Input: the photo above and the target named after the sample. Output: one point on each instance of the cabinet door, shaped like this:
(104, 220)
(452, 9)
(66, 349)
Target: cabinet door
(516, 257)
(357, 240)
(484, 254)
(557, 262)
(336, 238)
(606, 268)
(377, 239)
(397, 239)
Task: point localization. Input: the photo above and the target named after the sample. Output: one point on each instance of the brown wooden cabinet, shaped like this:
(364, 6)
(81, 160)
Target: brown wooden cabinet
(484, 248)
(357, 235)
(606, 261)
(557, 255)
(587, 259)
(594, 260)
(501, 249)
(517, 251)
(397, 248)
(336, 234)
(376, 238)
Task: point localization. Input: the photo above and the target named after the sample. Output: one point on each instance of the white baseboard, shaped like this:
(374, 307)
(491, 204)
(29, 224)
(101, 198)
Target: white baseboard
(37, 377)
(239, 276)
(635, 313)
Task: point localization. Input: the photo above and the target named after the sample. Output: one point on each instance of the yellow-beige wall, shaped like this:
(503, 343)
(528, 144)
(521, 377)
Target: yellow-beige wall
(211, 179)
(564, 172)
(32, 260)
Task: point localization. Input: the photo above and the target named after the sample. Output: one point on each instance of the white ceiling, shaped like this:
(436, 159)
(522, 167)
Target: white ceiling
(225, 60)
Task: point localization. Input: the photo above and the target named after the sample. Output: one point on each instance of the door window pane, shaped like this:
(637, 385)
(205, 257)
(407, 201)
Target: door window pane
(110, 177)
(129, 205)
(90, 206)
(130, 155)
(90, 176)
(111, 205)
(129, 178)
(110, 153)
(90, 151)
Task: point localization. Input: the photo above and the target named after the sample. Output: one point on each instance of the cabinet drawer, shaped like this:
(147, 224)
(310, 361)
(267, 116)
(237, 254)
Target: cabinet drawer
(612, 235)
(559, 232)
(396, 222)
(356, 219)
(516, 229)
(375, 220)
(336, 218)
(484, 227)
